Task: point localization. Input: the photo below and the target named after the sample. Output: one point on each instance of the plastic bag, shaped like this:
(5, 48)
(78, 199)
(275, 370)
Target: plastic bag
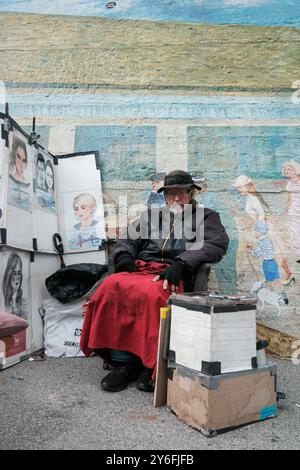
(62, 328)
(73, 282)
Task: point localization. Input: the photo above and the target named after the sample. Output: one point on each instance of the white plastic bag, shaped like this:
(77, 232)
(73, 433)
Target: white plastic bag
(62, 328)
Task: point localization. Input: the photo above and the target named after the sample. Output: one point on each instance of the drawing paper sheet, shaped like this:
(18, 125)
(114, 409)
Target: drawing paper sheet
(15, 299)
(4, 154)
(43, 266)
(81, 209)
(19, 211)
(45, 214)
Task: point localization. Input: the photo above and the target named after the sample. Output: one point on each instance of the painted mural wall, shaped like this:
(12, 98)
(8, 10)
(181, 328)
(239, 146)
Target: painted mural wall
(208, 87)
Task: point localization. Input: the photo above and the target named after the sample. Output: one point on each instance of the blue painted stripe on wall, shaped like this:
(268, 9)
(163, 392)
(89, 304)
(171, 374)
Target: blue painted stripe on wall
(126, 153)
(224, 153)
(119, 106)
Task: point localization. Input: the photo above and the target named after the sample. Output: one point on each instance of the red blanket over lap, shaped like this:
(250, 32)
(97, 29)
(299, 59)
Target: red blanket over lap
(124, 313)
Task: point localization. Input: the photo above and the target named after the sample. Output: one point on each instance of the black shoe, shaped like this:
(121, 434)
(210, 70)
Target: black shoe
(145, 382)
(120, 376)
(118, 379)
(106, 365)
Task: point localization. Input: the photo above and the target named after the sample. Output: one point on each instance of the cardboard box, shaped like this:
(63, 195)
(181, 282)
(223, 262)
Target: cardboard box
(221, 403)
(212, 336)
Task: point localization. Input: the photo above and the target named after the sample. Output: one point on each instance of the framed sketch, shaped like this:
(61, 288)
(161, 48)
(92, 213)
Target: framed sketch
(81, 211)
(45, 211)
(20, 172)
(4, 152)
(15, 283)
(15, 299)
(84, 220)
(44, 182)
(44, 194)
(19, 208)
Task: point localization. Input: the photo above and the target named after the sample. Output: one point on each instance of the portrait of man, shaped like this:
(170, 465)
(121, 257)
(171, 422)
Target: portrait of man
(41, 172)
(45, 195)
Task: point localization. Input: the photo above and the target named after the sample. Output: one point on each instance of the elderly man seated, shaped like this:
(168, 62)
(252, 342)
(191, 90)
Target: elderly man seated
(161, 253)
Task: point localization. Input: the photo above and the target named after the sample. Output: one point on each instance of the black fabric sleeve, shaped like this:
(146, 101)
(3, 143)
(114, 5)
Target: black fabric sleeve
(215, 244)
(127, 244)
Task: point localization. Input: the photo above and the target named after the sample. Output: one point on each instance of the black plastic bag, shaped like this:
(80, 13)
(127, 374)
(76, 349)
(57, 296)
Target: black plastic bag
(72, 282)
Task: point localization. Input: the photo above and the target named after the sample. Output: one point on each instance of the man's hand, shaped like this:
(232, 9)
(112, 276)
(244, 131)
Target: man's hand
(171, 276)
(125, 263)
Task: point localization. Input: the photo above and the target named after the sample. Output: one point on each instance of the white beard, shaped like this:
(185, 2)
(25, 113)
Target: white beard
(176, 209)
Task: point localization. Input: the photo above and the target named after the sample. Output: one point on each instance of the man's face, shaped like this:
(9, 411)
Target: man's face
(177, 198)
(41, 174)
(21, 161)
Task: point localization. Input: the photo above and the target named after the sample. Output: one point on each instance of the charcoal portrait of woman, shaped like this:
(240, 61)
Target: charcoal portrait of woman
(12, 286)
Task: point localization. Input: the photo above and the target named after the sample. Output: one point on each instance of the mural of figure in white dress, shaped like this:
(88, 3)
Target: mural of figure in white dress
(257, 210)
(291, 170)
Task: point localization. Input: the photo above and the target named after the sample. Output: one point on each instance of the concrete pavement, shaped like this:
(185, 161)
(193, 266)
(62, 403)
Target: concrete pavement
(58, 404)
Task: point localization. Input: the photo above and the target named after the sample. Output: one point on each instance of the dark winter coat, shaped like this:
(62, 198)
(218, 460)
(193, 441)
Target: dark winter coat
(163, 247)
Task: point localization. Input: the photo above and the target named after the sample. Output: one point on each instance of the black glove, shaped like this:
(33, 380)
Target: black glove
(174, 273)
(125, 263)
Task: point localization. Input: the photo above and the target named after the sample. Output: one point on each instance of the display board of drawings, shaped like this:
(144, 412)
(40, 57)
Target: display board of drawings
(41, 194)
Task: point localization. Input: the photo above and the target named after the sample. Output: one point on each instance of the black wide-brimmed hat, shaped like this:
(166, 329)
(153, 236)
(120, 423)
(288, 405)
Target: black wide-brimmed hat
(178, 179)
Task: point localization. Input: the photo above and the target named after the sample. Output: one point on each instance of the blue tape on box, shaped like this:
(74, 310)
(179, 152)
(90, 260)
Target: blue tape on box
(268, 412)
